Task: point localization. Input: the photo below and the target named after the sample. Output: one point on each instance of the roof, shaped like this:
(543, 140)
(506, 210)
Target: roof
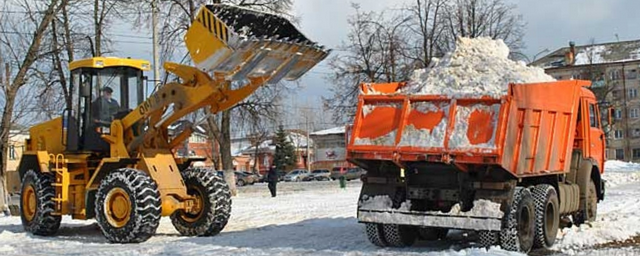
(105, 62)
(593, 54)
(335, 130)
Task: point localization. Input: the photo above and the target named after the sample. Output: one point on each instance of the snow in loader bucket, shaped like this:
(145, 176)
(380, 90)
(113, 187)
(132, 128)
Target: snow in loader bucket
(241, 43)
(484, 215)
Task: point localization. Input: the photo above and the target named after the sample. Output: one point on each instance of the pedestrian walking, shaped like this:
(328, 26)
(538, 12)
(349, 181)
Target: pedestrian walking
(272, 178)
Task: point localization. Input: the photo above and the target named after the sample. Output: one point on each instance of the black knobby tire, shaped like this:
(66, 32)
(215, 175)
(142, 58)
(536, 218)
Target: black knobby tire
(375, 234)
(216, 196)
(518, 228)
(399, 235)
(42, 222)
(488, 238)
(591, 208)
(432, 233)
(144, 202)
(547, 215)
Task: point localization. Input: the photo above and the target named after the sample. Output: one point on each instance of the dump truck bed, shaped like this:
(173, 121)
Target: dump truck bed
(527, 132)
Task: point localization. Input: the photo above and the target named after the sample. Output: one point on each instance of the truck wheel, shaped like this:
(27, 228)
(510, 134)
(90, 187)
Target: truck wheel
(399, 235)
(591, 209)
(488, 238)
(37, 205)
(547, 215)
(214, 198)
(128, 206)
(519, 224)
(240, 183)
(375, 234)
(432, 234)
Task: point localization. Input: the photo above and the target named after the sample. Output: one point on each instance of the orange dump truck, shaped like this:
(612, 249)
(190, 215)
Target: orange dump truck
(510, 167)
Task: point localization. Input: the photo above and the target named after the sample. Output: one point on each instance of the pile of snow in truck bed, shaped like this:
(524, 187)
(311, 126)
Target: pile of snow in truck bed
(477, 67)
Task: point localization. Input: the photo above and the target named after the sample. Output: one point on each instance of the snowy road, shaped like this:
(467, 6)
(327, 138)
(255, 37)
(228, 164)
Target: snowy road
(319, 219)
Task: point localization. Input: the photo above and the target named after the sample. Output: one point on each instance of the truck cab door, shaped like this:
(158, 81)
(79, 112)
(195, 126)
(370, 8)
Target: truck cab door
(596, 135)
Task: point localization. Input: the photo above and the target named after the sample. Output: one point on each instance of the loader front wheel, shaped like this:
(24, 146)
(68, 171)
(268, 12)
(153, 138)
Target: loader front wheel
(517, 233)
(37, 205)
(128, 206)
(213, 200)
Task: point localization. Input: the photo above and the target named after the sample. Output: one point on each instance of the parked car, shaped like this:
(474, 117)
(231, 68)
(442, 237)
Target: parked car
(352, 173)
(321, 174)
(243, 179)
(255, 177)
(296, 175)
(337, 172)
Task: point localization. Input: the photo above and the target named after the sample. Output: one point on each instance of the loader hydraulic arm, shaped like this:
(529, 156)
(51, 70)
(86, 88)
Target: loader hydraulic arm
(197, 90)
(243, 49)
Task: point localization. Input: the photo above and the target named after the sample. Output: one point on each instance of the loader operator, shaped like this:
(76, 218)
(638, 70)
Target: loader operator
(104, 107)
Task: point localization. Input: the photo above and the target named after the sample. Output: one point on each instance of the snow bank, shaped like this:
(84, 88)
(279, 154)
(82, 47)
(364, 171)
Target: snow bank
(620, 166)
(477, 67)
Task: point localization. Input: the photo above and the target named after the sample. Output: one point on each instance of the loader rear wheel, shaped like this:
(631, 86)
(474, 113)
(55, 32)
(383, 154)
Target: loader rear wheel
(128, 206)
(399, 235)
(547, 215)
(37, 205)
(375, 234)
(517, 233)
(214, 200)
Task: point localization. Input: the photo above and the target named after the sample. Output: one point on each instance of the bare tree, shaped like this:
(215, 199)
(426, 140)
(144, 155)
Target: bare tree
(20, 50)
(492, 18)
(374, 52)
(428, 27)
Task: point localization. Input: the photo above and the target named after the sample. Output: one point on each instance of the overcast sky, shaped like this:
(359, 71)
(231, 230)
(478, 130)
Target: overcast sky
(550, 24)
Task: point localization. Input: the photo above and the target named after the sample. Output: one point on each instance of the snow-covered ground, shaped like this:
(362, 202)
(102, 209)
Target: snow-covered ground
(318, 218)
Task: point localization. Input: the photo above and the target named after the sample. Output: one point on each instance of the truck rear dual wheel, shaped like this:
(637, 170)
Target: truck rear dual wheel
(214, 200)
(391, 235)
(547, 215)
(128, 206)
(37, 205)
(518, 230)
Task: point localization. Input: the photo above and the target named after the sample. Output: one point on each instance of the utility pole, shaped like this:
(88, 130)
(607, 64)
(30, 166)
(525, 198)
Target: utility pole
(308, 160)
(156, 55)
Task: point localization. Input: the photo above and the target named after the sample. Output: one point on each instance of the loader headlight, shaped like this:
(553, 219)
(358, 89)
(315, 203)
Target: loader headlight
(99, 63)
(103, 130)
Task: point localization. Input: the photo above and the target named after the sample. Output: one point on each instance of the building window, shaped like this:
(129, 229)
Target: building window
(12, 152)
(617, 114)
(614, 74)
(636, 153)
(634, 113)
(636, 132)
(619, 154)
(632, 93)
(618, 134)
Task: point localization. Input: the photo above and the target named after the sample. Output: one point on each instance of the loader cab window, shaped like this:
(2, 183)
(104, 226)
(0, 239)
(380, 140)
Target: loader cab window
(106, 94)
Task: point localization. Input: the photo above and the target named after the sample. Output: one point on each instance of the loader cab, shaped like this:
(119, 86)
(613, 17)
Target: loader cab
(104, 89)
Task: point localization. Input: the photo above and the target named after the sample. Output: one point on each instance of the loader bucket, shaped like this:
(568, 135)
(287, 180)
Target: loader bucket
(242, 43)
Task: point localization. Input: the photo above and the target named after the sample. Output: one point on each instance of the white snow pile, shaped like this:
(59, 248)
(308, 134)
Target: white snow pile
(477, 67)
(619, 172)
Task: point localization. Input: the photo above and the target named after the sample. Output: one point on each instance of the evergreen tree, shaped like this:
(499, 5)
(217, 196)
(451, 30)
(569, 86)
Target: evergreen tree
(285, 155)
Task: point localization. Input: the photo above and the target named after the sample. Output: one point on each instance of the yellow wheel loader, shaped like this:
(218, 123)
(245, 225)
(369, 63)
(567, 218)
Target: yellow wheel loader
(110, 156)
